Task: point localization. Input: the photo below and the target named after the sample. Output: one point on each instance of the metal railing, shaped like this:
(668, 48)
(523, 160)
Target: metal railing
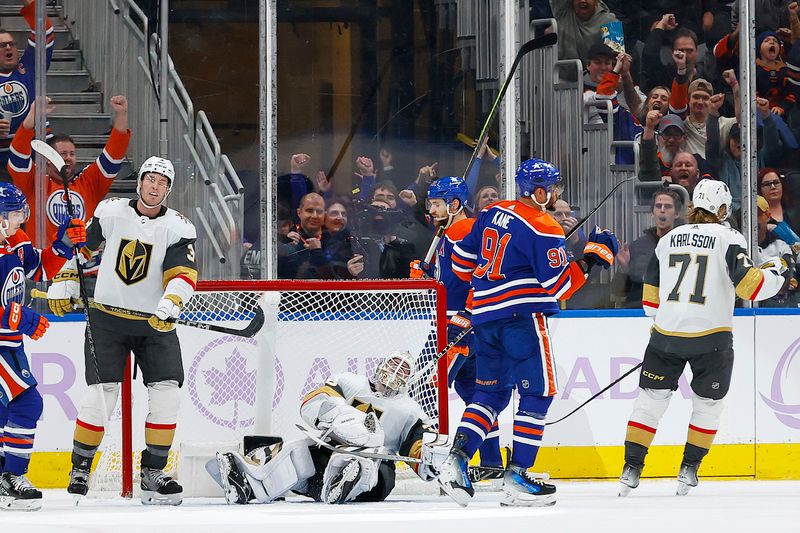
(113, 37)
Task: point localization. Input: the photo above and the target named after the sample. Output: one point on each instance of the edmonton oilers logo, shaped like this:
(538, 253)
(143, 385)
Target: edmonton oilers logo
(13, 286)
(222, 382)
(785, 378)
(56, 208)
(14, 98)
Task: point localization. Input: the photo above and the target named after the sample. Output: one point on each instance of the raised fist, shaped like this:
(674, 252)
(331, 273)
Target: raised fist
(730, 77)
(365, 166)
(119, 104)
(653, 118)
(298, 162)
(762, 104)
(715, 102)
(667, 22)
(679, 57)
(793, 8)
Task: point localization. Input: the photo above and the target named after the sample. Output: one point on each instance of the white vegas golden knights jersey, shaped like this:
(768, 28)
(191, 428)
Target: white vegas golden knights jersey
(141, 254)
(400, 416)
(691, 285)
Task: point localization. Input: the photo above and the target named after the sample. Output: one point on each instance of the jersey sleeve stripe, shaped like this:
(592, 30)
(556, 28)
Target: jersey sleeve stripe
(506, 295)
(460, 252)
(650, 295)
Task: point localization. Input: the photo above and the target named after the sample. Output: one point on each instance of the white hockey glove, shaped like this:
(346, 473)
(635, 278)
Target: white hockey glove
(347, 425)
(64, 288)
(435, 449)
(169, 306)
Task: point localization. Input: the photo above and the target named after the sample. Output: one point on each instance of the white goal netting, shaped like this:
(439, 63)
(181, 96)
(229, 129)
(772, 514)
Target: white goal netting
(236, 386)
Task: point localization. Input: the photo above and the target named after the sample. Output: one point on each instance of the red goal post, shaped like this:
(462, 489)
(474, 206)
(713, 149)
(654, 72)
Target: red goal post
(312, 329)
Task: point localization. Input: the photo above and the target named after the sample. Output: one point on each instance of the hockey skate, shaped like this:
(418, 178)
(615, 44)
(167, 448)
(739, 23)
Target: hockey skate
(522, 489)
(159, 489)
(18, 494)
(78, 483)
(454, 479)
(687, 478)
(629, 479)
(343, 482)
(233, 480)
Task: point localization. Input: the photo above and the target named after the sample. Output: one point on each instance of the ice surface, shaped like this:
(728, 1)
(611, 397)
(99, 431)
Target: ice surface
(724, 506)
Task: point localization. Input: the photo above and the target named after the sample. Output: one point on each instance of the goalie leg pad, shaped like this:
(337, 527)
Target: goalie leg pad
(288, 466)
(348, 476)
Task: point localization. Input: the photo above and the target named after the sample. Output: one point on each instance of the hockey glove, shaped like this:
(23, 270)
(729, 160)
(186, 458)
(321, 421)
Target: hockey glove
(71, 233)
(17, 317)
(420, 269)
(460, 322)
(64, 288)
(347, 425)
(601, 248)
(169, 307)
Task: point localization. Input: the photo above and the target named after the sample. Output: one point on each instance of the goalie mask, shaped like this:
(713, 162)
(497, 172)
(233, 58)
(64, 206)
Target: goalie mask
(393, 374)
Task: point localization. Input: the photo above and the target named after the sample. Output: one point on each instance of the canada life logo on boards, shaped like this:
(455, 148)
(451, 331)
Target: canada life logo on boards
(784, 379)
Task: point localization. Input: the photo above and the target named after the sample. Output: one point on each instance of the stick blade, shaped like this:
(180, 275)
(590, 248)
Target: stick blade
(548, 39)
(49, 153)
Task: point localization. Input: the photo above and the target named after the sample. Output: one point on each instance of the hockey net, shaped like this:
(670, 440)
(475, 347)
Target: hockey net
(237, 386)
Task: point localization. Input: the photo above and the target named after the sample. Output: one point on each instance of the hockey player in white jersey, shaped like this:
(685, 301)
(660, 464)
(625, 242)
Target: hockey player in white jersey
(148, 265)
(351, 410)
(690, 287)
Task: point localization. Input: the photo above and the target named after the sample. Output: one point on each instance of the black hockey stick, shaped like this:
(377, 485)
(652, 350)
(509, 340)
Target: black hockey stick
(623, 376)
(582, 221)
(433, 362)
(355, 450)
(534, 44)
(249, 331)
(58, 162)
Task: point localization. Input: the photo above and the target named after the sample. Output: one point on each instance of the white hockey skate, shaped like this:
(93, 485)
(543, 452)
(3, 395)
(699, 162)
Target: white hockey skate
(18, 494)
(629, 479)
(344, 481)
(523, 489)
(687, 478)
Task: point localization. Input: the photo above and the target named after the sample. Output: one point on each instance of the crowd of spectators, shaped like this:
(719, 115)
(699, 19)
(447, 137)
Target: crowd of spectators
(674, 91)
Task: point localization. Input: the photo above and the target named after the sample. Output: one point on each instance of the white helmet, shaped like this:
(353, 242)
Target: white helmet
(159, 165)
(394, 372)
(711, 195)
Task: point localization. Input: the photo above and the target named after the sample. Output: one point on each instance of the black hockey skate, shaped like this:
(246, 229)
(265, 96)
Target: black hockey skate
(159, 489)
(687, 478)
(18, 494)
(522, 489)
(234, 482)
(78, 482)
(343, 482)
(629, 479)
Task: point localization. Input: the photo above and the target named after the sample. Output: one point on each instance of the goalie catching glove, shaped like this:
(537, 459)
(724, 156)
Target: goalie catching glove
(61, 292)
(169, 308)
(347, 425)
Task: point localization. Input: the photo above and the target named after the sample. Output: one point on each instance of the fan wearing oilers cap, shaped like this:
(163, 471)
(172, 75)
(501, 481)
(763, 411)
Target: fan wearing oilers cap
(447, 197)
(148, 265)
(690, 287)
(516, 260)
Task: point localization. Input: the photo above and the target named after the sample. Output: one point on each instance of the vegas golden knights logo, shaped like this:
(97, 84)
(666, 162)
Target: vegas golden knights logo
(133, 260)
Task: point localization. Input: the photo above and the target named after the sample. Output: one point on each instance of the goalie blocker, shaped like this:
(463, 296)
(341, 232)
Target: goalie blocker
(351, 410)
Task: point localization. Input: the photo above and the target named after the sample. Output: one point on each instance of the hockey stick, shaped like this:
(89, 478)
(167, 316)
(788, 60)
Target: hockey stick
(623, 376)
(58, 162)
(433, 362)
(582, 221)
(534, 44)
(357, 451)
(249, 331)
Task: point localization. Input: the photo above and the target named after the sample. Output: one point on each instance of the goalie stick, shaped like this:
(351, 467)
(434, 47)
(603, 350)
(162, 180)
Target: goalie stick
(355, 450)
(249, 331)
